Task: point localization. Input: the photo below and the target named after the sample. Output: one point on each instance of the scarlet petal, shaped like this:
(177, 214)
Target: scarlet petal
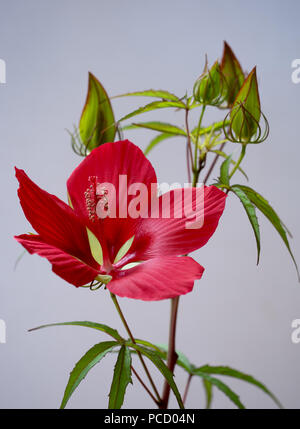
(54, 220)
(157, 279)
(171, 236)
(64, 265)
(105, 164)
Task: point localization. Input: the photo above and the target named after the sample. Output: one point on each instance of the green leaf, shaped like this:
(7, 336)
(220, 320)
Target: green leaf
(224, 171)
(93, 356)
(208, 392)
(230, 372)
(160, 126)
(153, 106)
(156, 141)
(233, 74)
(161, 366)
(97, 122)
(224, 155)
(221, 386)
(162, 350)
(263, 205)
(207, 130)
(251, 213)
(121, 379)
(160, 93)
(98, 326)
(245, 113)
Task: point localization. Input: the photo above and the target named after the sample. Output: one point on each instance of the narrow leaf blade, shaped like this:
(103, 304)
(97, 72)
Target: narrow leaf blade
(208, 392)
(157, 93)
(231, 372)
(156, 141)
(161, 366)
(224, 155)
(121, 379)
(84, 365)
(263, 205)
(222, 387)
(224, 171)
(251, 213)
(153, 106)
(162, 127)
(98, 326)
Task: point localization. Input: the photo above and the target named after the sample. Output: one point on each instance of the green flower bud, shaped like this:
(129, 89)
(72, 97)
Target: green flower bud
(232, 73)
(208, 87)
(246, 115)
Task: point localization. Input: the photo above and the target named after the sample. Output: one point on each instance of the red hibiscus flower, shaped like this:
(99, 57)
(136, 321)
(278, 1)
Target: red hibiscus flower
(135, 256)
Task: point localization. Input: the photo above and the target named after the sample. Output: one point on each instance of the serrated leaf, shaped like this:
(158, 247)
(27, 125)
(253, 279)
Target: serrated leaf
(121, 379)
(153, 106)
(97, 122)
(221, 386)
(251, 213)
(208, 393)
(206, 130)
(224, 155)
(83, 366)
(224, 171)
(263, 205)
(232, 72)
(231, 372)
(162, 350)
(162, 367)
(98, 326)
(163, 127)
(182, 359)
(160, 93)
(156, 140)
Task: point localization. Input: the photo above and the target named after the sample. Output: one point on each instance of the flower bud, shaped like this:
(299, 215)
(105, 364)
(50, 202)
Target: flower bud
(208, 87)
(232, 73)
(246, 115)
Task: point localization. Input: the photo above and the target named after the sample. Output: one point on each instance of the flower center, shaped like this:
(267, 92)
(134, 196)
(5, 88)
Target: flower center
(95, 194)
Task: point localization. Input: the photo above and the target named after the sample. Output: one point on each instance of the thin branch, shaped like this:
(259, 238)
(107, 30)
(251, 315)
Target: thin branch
(213, 165)
(144, 385)
(189, 153)
(187, 388)
(172, 355)
(115, 301)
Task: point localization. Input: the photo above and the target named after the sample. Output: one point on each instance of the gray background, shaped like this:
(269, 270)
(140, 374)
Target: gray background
(239, 314)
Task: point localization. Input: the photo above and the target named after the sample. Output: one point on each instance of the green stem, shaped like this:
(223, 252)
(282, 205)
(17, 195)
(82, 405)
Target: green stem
(242, 154)
(197, 138)
(115, 301)
(189, 154)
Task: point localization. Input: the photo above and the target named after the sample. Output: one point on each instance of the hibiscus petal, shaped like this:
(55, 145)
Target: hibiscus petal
(177, 235)
(54, 220)
(64, 265)
(157, 279)
(106, 164)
